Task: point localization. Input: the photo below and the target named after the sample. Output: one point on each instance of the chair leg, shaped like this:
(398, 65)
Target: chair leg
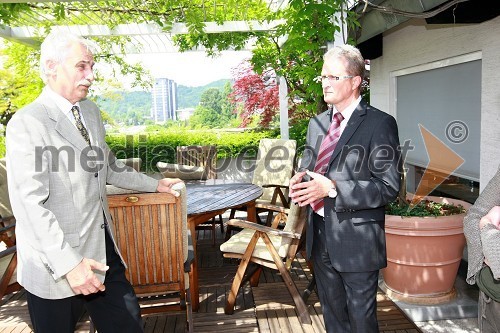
(300, 305)
(308, 291)
(221, 222)
(255, 277)
(240, 273)
(189, 312)
(269, 218)
(213, 231)
(230, 228)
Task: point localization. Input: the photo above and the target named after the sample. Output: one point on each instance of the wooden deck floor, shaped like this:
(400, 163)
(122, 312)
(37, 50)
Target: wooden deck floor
(266, 308)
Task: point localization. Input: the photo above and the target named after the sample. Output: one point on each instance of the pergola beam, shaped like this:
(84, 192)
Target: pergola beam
(140, 29)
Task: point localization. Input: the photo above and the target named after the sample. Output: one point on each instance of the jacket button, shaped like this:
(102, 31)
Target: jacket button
(95, 174)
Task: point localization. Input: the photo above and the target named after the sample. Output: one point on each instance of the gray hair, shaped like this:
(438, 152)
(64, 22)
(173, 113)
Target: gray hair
(352, 56)
(56, 45)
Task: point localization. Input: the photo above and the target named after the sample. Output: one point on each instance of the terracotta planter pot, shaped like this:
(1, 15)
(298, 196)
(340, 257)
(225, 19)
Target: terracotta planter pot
(423, 256)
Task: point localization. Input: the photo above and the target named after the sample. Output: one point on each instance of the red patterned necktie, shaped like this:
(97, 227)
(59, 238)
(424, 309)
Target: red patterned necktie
(79, 124)
(325, 152)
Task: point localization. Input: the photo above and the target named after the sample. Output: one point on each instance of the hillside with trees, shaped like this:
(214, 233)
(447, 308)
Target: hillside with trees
(134, 107)
(189, 97)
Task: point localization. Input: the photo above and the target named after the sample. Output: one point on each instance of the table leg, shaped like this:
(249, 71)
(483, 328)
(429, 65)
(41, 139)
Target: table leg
(195, 292)
(251, 212)
(192, 222)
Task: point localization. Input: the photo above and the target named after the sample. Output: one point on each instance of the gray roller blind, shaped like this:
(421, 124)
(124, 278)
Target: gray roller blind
(447, 102)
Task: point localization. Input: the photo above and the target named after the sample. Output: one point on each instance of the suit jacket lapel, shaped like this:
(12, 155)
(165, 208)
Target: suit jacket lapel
(63, 125)
(355, 120)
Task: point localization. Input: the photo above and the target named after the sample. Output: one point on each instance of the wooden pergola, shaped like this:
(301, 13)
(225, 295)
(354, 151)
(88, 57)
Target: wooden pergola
(149, 25)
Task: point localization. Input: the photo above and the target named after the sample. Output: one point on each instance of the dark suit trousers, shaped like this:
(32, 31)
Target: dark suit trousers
(348, 299)
(114, 310)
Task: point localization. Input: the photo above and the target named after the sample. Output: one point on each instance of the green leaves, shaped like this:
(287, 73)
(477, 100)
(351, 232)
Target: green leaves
(423, 208)
(20, 83)
(10, 11)
(294, 49)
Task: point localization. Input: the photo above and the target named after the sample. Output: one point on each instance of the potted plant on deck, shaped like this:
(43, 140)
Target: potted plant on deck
(425, 243)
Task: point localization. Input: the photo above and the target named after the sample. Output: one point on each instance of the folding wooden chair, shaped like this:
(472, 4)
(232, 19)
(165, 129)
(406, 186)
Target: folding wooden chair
(152, 234)
(8, 261)
(195, 163)
(269, 247)
(273, 169)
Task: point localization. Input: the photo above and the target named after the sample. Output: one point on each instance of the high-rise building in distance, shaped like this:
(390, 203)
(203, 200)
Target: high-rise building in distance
(164, 96)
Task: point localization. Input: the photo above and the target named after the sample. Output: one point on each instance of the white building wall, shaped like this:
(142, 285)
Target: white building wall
(415, 43)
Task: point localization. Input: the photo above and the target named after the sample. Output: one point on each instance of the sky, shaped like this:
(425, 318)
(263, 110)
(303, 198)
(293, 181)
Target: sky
(191, 68)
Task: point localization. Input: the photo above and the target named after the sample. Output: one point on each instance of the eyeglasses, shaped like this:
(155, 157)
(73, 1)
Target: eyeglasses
(331, 78)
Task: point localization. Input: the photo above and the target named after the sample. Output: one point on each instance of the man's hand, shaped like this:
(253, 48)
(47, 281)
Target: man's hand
(165, 185)
(82, 278)
(493, 217)
(304, 193)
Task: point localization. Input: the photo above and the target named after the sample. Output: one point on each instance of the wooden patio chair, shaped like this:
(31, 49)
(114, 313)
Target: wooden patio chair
(201, 156)
(5, 208)
(269, 247)
(8, 261)
(152, 234)
(195, 163)
(8, 254)
(273, 169)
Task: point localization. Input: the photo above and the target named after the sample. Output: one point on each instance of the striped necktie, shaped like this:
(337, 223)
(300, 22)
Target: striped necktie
(325, 152)
(79, 124)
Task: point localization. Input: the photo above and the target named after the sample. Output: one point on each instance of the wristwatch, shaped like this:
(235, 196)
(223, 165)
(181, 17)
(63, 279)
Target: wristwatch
(332, 193)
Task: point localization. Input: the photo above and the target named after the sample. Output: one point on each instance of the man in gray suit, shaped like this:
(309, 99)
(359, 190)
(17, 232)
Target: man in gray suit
(58, 165)
(353, 162)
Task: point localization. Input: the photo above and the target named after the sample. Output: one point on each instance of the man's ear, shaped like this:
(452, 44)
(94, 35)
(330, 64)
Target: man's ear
(50, 66)
(356, 82)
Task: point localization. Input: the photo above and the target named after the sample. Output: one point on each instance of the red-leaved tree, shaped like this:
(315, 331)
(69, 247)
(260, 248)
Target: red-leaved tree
(255, 94)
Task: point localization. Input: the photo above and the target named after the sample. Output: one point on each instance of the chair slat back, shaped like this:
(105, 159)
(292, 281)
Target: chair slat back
(274, 164)
(151, 232)
(205, 156)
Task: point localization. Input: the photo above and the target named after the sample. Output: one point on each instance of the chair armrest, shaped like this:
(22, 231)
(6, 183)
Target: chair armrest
(8, 251)
(8, 234)
(190, 258)
(263, 228)
(7, 228)
(274, 208)
(7, 221)
(274, 185)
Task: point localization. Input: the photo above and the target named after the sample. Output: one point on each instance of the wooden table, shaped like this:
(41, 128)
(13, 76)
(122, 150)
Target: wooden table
(207, 199)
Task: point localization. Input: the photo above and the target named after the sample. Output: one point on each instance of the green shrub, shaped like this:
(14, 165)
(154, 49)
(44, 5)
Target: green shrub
(153, 147)
(298, 132)
(156, 146)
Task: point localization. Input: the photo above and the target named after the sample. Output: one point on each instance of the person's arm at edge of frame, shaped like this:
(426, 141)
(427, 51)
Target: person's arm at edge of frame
(479, 239)
(490, 238)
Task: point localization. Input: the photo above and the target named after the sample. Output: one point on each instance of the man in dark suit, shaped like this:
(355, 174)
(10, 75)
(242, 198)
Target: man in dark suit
(353, 163)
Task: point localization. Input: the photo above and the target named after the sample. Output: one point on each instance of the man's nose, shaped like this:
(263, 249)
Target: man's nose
(90, 75)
